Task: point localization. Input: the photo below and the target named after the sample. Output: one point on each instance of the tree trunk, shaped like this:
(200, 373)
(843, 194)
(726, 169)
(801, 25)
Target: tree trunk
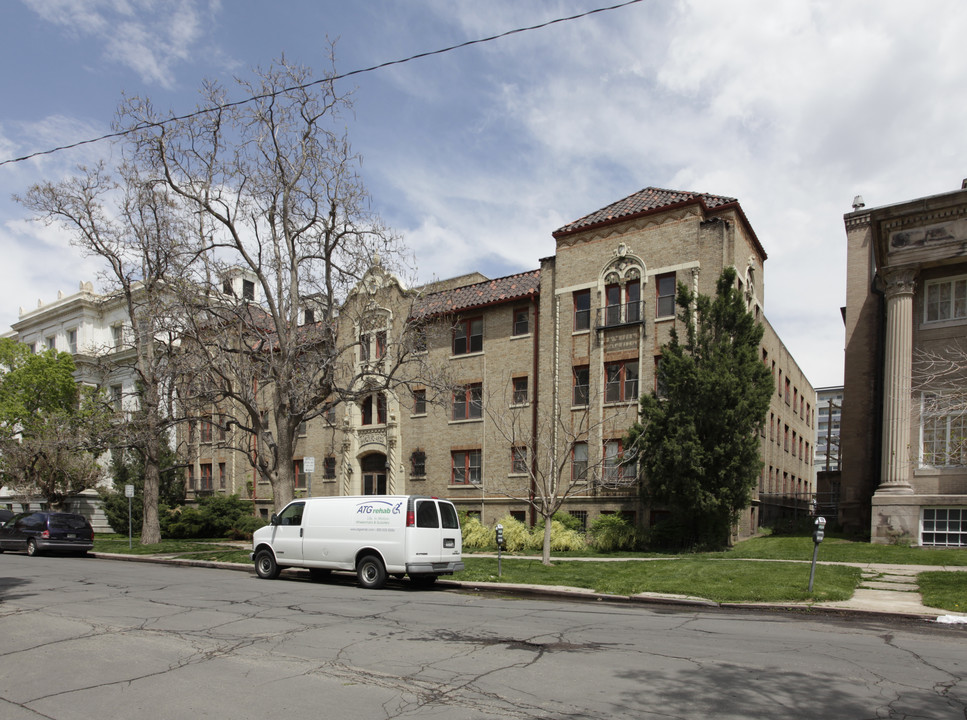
(546, 550)
(150, 523)
(283, 479)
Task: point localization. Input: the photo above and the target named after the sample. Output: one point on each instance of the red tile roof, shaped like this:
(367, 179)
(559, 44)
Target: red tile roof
(640, 203)
(492, 292)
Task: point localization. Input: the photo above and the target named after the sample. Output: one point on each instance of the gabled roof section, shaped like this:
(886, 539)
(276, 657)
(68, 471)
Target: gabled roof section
(640, 203)
(654, 200)
(492, 292)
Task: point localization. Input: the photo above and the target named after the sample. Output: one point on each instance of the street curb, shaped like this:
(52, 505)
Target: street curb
(569, 593)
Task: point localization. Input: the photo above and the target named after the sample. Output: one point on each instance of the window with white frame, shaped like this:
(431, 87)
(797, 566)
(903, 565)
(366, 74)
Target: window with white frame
(943, 432)
(945, 299)
(943, 527)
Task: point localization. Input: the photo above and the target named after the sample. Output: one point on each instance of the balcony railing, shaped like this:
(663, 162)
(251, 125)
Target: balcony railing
(616, 315)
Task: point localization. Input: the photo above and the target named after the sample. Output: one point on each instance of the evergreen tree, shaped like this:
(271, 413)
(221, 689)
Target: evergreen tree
(697, 438)
(128, 468)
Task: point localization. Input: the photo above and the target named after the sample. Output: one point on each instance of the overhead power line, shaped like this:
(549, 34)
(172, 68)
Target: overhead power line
(237, 103)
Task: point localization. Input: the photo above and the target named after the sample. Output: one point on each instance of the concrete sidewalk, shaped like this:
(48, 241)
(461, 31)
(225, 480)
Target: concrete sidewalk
(886, 590)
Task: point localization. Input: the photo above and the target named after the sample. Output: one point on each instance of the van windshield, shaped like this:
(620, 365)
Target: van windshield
(449, 515)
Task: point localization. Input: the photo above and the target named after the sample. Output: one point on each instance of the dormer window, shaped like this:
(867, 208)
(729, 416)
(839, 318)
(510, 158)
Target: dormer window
(248, 290)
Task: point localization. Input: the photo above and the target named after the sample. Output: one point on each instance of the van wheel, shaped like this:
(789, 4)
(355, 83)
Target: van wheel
(371, 573)
(32, 547)
(317, 574)
(265, 565)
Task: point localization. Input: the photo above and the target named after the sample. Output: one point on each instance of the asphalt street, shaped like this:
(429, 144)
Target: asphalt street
(94, 638)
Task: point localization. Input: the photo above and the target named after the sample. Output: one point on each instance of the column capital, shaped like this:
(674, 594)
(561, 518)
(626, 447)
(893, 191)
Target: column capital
(899, 281)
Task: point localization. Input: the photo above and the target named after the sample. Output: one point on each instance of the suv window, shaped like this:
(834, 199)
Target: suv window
(67, 522)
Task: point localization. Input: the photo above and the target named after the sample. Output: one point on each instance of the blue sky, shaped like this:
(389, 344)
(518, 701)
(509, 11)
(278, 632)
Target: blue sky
(476, 156)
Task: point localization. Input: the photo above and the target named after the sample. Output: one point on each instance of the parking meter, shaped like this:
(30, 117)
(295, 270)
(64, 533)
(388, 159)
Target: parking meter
(818, 533)
(500, 536)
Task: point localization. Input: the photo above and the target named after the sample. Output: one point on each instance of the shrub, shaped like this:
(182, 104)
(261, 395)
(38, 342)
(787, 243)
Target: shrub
(476, 535)
(568, 521)
(610, 533)
(517, 536)
(215, 516)
(244, 527)
(564, 538)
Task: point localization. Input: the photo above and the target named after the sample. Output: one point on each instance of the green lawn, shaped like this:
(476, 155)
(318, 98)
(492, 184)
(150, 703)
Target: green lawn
(945, 590)
(108, 543)
(714, 579)
(721, 577)
(785, 547)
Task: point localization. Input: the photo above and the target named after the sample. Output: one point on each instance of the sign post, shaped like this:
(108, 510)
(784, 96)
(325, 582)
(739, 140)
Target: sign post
(309, 467)
(129, 493)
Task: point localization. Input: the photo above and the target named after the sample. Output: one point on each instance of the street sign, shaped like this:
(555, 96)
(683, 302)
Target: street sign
(129, 491)
(308, 464)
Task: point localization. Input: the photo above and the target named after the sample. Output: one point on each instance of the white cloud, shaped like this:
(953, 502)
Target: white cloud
(151, 37)
(791, 107)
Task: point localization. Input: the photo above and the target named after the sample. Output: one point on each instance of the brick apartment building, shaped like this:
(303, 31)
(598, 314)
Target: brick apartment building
(545, 367)
(534, 378)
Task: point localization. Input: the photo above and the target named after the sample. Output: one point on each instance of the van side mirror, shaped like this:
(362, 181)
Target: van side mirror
(275, 519)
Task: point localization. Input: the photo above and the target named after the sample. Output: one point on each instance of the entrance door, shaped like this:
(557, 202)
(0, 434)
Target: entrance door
(374, 474)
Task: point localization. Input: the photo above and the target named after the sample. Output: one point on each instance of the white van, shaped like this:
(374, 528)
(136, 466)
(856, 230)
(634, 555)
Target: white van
(373, 535)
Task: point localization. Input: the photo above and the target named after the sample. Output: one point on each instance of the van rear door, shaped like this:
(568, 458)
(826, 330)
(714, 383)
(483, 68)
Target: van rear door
(436, 537)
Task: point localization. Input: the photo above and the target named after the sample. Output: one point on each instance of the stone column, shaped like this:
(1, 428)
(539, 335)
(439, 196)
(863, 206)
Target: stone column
(392, 455)
(898, 367)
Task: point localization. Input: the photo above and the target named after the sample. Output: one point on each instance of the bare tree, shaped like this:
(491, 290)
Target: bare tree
(136, 228)
(557, 453)
(940, 388)
(286, 233)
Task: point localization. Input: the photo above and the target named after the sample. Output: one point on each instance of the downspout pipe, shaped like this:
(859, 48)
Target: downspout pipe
(534, 407)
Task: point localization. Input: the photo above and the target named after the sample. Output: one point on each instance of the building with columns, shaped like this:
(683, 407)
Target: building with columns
(904, 460)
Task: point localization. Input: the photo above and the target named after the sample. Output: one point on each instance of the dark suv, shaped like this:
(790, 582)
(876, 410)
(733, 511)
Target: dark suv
(37, 532)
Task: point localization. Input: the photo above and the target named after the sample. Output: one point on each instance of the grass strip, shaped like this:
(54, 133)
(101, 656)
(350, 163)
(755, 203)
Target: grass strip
(945, 590)
(832, 549)
(119, 544)
(714, 579)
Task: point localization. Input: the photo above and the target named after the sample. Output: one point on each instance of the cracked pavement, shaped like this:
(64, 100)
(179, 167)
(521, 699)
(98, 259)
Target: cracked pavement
(86, 638)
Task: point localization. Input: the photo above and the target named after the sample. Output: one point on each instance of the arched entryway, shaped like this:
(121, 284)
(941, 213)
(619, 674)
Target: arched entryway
(373, 467)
